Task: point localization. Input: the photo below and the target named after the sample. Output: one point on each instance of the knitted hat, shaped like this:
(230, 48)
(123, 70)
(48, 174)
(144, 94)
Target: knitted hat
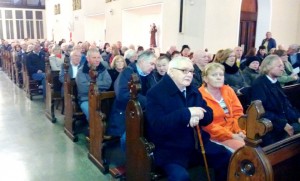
(252, 59)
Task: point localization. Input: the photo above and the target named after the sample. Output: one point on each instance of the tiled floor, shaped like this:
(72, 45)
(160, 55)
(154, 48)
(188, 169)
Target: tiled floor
(34, 149)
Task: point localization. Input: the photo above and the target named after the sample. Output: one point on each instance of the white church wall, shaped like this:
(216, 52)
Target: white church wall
(221, 24)
(285, 24)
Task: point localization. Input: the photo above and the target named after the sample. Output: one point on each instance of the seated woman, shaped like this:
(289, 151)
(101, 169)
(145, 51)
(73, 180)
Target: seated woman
(56, 59)
(118, 64)
(227, 108)
(233, 75)
(287, 77)
(250, 72)
(278, 109)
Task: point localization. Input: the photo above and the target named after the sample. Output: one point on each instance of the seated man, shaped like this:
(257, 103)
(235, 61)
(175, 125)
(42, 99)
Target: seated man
(83, 79)
(174, 107)
(278, 109)
(75, 57)
(143, 67)
(35, 63)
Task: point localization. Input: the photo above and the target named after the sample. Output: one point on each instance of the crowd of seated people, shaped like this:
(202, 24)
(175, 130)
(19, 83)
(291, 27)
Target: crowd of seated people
(210, 98)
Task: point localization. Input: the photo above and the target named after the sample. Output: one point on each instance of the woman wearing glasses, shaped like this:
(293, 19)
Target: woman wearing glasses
(227, 108)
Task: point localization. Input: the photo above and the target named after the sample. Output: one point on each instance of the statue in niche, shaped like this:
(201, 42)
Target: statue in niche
(153, 31)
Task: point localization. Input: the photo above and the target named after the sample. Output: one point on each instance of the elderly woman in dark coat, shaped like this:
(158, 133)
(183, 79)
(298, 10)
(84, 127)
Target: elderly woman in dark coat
(233, 75)
(250, 72)
(278, 109)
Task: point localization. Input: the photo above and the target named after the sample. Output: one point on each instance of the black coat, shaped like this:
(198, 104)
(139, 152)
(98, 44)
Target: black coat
(278, 108)
(167, 119)
(35, 62)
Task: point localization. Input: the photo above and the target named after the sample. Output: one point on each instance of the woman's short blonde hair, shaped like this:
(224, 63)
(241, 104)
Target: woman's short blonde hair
(212, 66)
(116, 58)
(267, 64)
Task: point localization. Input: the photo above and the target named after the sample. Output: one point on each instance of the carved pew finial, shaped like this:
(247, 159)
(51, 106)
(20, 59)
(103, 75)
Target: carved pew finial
(249, 162)
(93, 74)
(254, 125)
(134, 86)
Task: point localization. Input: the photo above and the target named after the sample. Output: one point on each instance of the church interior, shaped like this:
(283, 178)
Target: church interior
(50, 131)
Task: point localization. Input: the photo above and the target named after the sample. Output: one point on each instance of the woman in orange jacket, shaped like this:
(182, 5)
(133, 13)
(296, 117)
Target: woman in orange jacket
(226, 108)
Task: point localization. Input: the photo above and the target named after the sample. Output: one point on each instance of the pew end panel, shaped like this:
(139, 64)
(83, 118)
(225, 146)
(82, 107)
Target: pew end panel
(252, 162)
(73, 114)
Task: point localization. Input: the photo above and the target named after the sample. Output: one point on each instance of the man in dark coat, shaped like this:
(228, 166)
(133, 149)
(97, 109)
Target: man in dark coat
(143, 67)
(173, 109)
(269, 42)
(278, 109)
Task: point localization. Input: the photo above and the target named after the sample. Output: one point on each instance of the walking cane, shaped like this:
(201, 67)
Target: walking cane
(203, 152)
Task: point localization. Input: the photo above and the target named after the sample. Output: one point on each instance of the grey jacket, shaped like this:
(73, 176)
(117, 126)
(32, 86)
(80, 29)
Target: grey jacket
(83, 81)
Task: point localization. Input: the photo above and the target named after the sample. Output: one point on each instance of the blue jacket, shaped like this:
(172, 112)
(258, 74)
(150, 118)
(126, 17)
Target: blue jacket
(116, 124)
(167, 119)
(271, 43)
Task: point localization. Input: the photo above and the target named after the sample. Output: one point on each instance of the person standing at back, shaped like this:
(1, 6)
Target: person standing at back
(269, 42)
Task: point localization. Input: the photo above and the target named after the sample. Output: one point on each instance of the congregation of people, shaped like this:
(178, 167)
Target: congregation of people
(180, 90)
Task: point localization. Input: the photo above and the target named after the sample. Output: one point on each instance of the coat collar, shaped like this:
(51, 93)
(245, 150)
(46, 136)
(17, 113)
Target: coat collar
(86, 68)
(173, 89)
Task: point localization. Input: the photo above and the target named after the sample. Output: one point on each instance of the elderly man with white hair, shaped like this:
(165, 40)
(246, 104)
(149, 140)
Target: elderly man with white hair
(174, 108)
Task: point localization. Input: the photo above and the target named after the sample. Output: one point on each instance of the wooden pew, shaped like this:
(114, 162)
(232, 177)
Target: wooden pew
(17, 70)
(73, 113)
(53, 91)
(293, 94)
(31, 87)
(139, 152)
(278, 161)
(100, 104)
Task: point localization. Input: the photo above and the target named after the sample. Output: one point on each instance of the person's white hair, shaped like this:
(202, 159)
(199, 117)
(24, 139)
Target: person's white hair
(175, 62)
(129, 54)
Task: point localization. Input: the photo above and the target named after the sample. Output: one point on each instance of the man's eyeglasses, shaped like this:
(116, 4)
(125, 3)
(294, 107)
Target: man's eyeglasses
(185, 71)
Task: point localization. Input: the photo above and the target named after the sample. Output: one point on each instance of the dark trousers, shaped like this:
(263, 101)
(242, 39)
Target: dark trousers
(217, 157)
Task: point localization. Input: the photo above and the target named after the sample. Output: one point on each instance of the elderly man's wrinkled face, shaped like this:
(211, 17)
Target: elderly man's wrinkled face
(75, 58)
(94, 59)
(182, 75)
(147, 66)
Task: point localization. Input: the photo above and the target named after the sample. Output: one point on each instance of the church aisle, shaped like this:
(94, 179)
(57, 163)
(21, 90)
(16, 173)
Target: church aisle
(34, 149)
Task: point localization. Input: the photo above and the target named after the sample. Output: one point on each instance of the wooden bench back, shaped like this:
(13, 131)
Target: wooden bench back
(139, 154)
(293, 94)
(72, 109)
(100, 105)
(53, 91)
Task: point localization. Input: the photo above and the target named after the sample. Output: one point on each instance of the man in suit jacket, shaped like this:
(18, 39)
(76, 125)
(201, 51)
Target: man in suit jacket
(174, 107)
(269, 42)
